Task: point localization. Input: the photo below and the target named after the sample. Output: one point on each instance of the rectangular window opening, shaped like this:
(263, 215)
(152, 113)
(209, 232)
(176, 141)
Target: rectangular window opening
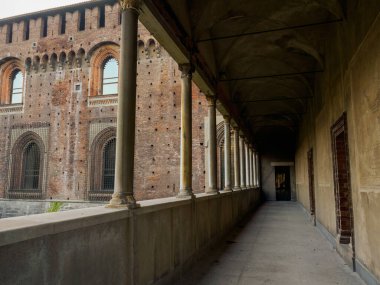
(62, 24)
(82, 21)
(102, 17)
(9, 38)
(26, 30)
(44, 27)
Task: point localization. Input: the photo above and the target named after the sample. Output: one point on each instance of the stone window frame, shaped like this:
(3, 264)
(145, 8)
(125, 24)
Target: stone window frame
(7, 70)
(99, 56)
(15, 190)
(96, 165)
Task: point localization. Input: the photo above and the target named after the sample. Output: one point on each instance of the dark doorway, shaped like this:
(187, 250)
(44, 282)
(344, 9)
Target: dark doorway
(342, 183)
(282, 181)
(310, 166)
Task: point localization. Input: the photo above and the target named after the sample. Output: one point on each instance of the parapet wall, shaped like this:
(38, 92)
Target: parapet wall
(152, 244)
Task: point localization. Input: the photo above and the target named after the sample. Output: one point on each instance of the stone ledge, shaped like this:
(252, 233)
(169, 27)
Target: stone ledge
(13, 230)
(102, 100)
(18, 229)
(11, 109)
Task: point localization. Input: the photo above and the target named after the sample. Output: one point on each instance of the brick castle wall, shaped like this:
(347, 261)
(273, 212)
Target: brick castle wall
(58, 75)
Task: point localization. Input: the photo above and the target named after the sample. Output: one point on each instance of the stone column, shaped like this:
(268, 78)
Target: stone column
(236, 160)
(247, 184)
(212, 160)
(254, 169)
(126, 113)
(227, 154)
(242, 162)
(185, 187)
(250, 166)
(257, 170)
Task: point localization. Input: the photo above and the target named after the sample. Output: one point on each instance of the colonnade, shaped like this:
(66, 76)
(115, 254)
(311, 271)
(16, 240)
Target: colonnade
(245, 174)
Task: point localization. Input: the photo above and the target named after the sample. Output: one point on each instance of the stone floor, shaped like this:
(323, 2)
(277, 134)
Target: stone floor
(277, 245)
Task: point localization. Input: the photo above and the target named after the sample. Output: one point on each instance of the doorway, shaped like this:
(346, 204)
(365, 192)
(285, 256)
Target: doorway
(310, 166)
(342, 183)
(282, 181)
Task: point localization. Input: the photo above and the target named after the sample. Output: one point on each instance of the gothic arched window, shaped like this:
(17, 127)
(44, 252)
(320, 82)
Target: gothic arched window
(110, 78)
(109, 153)
(31, 167)
(102, 165)
(17, 87)
(26, 176)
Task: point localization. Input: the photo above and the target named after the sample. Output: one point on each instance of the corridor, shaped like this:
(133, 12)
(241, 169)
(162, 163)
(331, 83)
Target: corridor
(276, 245)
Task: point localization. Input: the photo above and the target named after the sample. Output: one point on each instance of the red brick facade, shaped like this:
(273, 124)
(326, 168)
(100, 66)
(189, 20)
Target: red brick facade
(63, 107)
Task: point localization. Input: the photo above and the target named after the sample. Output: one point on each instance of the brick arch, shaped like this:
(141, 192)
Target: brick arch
(98, 57)
(7, 69)
(17, 168)
(96, 164)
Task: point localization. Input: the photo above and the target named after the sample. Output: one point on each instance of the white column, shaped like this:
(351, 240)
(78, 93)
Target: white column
(242, 162)
(250, 168)
(247, 165)
(257, 182)
(227, 154)
(185, 188)
(212, 160)
(236, 160)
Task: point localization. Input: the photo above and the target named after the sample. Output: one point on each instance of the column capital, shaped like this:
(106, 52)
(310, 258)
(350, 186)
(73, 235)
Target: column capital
(227, 118)
(130, 4)
(211, 100)
(186, 69)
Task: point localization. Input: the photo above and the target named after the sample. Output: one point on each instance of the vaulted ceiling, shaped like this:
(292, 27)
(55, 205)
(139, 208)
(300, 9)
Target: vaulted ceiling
(258, 57)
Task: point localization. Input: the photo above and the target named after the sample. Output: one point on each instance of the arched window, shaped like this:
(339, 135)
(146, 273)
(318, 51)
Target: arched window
(26, 176)
(102, 165)
(31, 167)
(109, 153)
(110, 77)
(17, 86)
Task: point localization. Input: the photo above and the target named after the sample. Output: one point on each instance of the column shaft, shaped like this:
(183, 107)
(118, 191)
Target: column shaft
(242, 163)
(186, 132)
(212, 159)
(236, 160)
(126, 113)
(258, 170)
(247, 165)
(227, 154)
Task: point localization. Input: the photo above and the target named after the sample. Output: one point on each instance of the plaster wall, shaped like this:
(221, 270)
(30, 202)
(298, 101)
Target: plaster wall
(350, 83)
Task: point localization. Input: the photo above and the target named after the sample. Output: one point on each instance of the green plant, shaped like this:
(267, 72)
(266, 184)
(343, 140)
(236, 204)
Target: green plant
(55, 207)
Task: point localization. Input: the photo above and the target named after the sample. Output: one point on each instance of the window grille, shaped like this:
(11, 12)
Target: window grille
(31, 163)
(109, 153)
(17, 86)
(110, 77)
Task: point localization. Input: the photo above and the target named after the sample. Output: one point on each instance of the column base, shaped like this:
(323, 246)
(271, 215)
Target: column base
(212, 191)
(227, 189)
(185, 193)
(236, 188)
(123, 201)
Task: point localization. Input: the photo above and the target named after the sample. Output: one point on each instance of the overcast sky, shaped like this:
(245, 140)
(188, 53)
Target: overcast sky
(16, 7)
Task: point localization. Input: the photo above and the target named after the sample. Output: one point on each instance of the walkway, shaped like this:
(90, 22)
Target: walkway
(278, 245)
